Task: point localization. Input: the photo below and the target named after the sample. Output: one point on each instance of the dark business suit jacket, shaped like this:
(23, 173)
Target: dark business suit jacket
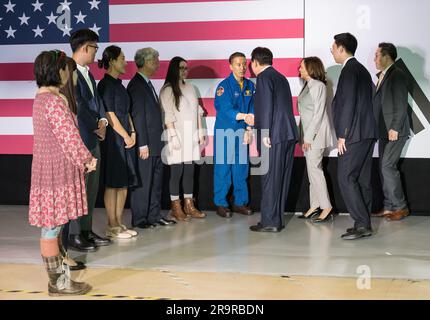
(273, 107)
(90, 110)
(146, 114)
(391, 103)
(353, 116)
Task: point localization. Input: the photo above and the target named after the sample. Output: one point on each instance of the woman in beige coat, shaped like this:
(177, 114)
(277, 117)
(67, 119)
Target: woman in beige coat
(183, 121)
(316, 134)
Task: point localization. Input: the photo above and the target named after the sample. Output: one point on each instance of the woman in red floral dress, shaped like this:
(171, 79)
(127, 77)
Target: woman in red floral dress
(60, 160)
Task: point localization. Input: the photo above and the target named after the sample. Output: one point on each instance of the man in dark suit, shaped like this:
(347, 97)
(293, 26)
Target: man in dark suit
(274, 119)
(355, 127)
(146, 115)
(391, 111)
(92, 124)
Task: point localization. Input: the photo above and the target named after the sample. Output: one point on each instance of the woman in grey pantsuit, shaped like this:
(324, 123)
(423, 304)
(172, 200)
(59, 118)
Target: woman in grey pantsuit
(316, 134)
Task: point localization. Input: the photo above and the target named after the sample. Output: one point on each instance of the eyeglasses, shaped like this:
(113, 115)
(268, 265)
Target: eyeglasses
(93, 46)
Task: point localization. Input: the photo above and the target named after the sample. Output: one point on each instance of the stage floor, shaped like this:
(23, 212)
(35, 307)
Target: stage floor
(217, 258)
(398, 250)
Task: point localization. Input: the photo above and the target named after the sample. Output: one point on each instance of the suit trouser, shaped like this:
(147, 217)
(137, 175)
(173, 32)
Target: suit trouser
(145, 200)
(389, 156)
(354, 173)
(85, 223)
(318, 191)
(275, 184)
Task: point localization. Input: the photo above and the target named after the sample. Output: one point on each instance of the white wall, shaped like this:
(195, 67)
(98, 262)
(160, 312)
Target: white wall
(404, 23)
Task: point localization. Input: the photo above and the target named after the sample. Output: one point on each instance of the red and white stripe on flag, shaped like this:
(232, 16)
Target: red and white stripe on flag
(203, 32)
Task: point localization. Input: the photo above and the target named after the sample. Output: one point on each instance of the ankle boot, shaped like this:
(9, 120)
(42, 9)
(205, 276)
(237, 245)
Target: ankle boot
(60, 283)
(191, 210)
(73, 265)
(177, 212)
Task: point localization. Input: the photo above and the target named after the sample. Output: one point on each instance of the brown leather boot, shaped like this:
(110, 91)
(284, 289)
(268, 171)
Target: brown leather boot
(191, 210)
(176, 211)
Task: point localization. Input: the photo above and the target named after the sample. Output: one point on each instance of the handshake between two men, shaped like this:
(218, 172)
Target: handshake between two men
(249, 120)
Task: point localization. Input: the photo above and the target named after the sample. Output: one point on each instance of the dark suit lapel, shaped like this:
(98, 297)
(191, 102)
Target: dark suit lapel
(85, 83)
(387, 75)
(93, 82)
(147, 87)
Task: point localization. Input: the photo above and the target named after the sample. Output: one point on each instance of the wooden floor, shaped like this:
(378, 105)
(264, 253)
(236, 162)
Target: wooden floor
(29, 282)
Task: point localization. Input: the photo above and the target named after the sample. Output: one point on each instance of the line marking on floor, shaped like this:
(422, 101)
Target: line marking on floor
(95, 295)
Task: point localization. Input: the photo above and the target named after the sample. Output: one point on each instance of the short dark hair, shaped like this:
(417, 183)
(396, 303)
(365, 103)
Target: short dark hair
(47, 68)
(348, 41)
(388, 49)
(262, 55)
(110, 53)
(81, 37)
(315, 68)
(235, 55)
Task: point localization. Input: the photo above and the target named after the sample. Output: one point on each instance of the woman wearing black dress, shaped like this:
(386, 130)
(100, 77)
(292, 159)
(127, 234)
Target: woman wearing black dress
(118, 165)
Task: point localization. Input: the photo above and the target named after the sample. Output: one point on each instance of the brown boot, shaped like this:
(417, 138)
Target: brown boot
(191, 210)
(176, 211)
(60, 283)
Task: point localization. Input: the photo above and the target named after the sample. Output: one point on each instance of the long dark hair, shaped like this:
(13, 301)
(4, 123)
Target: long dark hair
(69, 89)
(172, 79)
(110, 53)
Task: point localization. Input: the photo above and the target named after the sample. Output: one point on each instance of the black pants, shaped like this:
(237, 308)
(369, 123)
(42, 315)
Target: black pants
(184, 171)
(145, 200)
(275, 184)
(389, 156)
(85, 223)
(354, 173)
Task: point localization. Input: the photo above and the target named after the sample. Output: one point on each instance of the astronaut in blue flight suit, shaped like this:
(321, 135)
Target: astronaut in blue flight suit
(233, 133)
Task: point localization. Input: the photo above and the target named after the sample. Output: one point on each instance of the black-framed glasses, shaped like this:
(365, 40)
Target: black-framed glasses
(93, 46)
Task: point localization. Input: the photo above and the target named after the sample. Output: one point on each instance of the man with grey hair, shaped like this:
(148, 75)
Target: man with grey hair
(146, 114)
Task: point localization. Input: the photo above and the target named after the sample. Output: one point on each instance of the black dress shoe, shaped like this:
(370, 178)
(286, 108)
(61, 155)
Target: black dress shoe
(357, 234)
(312, 214)
(79, 266)
(224, 212)
(349, 230)
(165, 222)
(245, 210)
(146, 225)
(259, 228)
(95, 239)
(77, 242)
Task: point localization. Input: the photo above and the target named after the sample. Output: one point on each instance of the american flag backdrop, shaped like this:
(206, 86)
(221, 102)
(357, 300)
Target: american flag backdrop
(203, 32)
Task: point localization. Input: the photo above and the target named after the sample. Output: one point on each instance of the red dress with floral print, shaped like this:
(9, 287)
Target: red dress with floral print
(57, 192)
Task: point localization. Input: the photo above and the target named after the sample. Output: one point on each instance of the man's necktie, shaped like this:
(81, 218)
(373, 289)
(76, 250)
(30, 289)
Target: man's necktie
(153, 90)
(381, 77)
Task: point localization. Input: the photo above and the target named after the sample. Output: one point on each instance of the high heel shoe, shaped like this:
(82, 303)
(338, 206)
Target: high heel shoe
(312, 214)
(328, 217)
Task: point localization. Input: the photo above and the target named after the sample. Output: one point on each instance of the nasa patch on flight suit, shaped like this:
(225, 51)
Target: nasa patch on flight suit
(220, 91)
(236, 94)
(248, 93)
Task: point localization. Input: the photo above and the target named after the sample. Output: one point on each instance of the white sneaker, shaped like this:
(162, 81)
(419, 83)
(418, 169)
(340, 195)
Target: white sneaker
(130, 232)
(117, 233)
